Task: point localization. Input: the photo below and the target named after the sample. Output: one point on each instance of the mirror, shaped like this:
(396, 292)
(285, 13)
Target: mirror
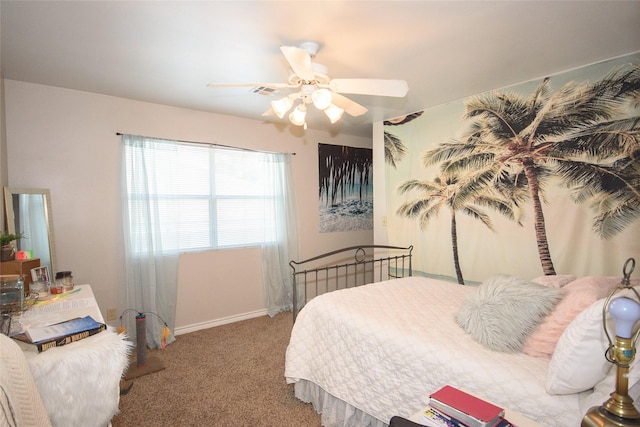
(28, 211)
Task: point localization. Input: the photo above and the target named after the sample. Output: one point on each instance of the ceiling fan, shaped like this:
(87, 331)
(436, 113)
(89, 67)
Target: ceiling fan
(311, 84)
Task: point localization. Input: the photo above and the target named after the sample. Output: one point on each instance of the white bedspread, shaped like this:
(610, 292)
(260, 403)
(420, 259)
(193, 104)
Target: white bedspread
(384, 347)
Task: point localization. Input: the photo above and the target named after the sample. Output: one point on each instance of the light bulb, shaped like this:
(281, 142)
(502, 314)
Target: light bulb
(321, 98)
(626, 313)
(281, 106)
(333, 112)
(298, 115)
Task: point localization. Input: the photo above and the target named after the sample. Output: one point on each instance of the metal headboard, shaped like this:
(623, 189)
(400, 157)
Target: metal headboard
(346, 268)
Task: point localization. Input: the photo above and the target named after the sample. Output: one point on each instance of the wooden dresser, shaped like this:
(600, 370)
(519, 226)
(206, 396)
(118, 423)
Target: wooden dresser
(22, 267)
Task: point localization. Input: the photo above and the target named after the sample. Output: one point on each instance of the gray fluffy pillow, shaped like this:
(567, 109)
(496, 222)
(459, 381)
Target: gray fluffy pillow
(504, 310)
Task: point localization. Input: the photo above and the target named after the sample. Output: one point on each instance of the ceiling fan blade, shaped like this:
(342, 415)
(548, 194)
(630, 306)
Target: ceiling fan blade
(379, 87)
(300, 62)
(350, 107)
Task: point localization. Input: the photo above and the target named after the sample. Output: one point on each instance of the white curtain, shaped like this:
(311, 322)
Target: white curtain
(152, 257)
(151, 272)
(283, 246)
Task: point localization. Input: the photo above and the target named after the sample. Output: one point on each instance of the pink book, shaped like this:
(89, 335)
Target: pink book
(479, 412)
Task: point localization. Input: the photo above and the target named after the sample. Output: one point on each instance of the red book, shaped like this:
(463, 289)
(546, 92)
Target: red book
(469, 409)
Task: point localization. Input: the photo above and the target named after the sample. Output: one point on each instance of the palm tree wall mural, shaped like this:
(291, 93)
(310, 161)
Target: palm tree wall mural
(457, 194)
(394, 148)
(560, 157)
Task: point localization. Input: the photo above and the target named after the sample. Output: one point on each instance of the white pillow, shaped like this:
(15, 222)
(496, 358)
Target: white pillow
(578, 361)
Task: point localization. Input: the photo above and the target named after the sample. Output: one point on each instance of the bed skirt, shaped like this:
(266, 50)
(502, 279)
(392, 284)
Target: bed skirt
(333, 411)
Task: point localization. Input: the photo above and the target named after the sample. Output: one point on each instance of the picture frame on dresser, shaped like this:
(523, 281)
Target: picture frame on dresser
(41, 273)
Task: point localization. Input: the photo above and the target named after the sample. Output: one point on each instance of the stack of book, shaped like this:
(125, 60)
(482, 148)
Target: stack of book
(45, 337)
(451, 407)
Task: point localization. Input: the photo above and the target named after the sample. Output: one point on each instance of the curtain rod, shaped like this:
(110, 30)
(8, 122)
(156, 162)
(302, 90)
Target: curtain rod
(213, 144)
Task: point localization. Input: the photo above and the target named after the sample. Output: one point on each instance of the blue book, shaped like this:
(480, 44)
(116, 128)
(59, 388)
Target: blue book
(63, 329)
(23, 341)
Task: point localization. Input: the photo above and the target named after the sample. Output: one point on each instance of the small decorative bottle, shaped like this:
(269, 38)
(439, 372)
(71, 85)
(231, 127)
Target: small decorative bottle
(20, 286)
(66, 278)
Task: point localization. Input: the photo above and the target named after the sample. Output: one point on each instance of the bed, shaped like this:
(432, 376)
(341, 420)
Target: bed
(362, 354)
(347, 267)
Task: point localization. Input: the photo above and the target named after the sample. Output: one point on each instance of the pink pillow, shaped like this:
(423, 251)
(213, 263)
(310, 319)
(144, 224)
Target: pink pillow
(579, 294)
(554, 281)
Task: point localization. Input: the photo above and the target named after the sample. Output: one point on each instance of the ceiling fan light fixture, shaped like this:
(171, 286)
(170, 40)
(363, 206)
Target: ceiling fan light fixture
(321, 98)
(334, 113)
(298, 115)
(315, 86)
(281, 106)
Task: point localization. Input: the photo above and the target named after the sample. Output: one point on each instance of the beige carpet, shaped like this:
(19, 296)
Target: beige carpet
(230, 375)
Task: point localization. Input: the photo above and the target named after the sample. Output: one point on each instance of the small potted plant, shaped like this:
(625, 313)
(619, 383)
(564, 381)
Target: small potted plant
(7, 251)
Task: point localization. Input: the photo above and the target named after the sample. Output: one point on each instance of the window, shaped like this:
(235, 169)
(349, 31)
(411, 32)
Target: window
(201, 196)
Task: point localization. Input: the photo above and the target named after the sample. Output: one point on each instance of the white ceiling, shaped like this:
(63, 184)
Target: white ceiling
(168, 51)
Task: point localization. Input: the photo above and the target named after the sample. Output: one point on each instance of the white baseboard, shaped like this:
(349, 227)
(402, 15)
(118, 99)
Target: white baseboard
(219, 322)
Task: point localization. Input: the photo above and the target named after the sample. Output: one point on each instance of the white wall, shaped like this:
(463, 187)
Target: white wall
(66, 141)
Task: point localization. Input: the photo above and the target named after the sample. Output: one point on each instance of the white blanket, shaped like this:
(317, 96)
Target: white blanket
(80, 382)
(384, 347)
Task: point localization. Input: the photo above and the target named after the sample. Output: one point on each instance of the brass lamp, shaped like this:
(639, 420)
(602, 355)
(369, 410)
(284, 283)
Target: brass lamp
(619, 410)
